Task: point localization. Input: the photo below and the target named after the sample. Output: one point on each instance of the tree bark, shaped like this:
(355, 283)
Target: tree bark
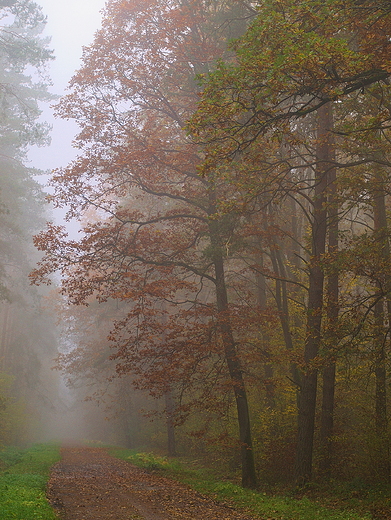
(329, 371)
(170, 410)
(268, 367)
(380, 339)
(249, 479)
(169, 402)
(283, 308)
(309, 379)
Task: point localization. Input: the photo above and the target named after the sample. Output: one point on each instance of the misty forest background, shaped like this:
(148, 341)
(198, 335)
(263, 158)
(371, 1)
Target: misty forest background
(228, 295)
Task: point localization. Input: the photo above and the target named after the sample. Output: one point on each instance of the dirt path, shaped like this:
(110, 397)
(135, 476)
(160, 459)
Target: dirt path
(88, 484)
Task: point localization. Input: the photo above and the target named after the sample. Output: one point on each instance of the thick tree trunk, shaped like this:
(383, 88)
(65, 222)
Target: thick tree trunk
(309, 379)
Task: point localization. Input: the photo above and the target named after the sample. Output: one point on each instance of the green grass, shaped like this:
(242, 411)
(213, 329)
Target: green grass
(23, 477)
(262, 505)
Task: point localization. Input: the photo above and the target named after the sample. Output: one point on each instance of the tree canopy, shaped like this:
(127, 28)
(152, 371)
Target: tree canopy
(233, 190)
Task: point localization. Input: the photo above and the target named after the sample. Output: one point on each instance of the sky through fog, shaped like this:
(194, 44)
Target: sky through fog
(71, 24)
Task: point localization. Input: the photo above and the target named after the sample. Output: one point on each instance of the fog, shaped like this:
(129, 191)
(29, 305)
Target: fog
(47, 392)
(68, 411)
(70, 26)
(220, 296)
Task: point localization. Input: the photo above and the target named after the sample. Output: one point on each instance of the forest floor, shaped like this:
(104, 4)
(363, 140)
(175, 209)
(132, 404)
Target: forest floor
(89, 484)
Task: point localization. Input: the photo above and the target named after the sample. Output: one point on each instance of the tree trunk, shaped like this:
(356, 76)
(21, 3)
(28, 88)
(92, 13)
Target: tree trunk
(309, 379)
(249, 479)
(170, 410)
(268, 367)
(247, 456)
(169, 402)
(328, 375)
(283, 309)
(327, 419)
(381, 423)
(5, 336)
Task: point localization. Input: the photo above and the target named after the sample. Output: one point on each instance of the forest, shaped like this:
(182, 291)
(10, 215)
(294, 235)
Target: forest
(228, 293)
(28, 335)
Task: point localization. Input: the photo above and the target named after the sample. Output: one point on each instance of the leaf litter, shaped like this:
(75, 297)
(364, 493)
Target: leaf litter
(89, 484)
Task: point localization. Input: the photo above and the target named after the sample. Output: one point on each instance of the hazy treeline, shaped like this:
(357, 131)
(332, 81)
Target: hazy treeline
(28, 342)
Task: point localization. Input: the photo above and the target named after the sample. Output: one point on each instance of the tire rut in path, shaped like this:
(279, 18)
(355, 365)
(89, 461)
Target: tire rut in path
(89, 484)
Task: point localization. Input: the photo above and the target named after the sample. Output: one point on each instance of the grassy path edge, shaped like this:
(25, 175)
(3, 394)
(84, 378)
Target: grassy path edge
(24, 473)
(258, 504)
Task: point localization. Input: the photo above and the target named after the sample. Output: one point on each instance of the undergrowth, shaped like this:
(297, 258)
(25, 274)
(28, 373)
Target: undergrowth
(23, 477)
(257, 503)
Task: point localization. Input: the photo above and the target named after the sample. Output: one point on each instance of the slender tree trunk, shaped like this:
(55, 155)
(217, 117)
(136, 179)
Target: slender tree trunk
(309, 379)
(4, 357)
(247, 455)
(169, 402)
(282, 297)
(327, 419)
(249, 479)
(328, 375)
(170, 410)
(283, 309)
(268, 368)
(127, 413)
(381, 422)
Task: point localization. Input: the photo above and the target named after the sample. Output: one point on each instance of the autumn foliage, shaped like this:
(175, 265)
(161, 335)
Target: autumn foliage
(233, 201)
